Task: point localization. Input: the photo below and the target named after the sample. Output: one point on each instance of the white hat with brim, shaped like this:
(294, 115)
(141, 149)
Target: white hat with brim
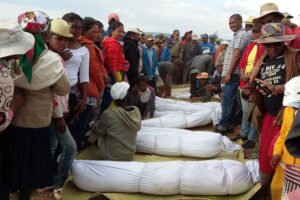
(292, 92)
(134, 29)
(267, 9)
(13, 40)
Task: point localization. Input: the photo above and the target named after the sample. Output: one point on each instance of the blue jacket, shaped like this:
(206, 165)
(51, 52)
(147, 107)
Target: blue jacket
(165, 54)
(148, 70)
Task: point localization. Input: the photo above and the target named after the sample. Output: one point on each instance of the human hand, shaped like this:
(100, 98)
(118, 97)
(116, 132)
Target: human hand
(275, 160)
(60, 124)
(17, 102)
(66, 55)
(80, 107)
(227, 78)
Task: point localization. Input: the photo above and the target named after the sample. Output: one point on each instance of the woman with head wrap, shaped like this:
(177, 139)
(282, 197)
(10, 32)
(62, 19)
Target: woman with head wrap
(27, 142)
(117, 129)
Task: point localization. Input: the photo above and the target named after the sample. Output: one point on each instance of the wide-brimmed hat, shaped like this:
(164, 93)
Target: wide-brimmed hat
(13, 40)
(203, 75)
(249, 20)
(274, 32)
(266, 9)
(60, 27)
(134, 29)
(195, 37)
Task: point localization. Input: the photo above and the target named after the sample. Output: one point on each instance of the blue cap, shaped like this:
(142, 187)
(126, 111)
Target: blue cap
(204, 35)
(212, 36)
(170, 41)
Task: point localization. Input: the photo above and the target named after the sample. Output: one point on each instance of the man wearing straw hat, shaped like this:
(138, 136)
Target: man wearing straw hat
(273, 69)
(269, 13)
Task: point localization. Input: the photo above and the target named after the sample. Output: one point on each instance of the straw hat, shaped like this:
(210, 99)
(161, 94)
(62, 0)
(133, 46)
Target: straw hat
(149, 38)
(203, 75)
(195, 37)
(266, 9)
(274, 32)
(250, 20)
(13, 40)
(60, 27)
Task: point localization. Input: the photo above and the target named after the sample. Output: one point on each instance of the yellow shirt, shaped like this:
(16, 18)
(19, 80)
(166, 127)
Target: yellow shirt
(250, 60)
(279, 148)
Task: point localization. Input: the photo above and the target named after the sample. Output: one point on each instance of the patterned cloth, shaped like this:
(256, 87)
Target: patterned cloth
(6, 95)
(240, 41)
(291, 188)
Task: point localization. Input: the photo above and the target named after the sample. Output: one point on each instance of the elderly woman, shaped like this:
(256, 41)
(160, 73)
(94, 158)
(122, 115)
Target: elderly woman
(117, 128)
(273, 70)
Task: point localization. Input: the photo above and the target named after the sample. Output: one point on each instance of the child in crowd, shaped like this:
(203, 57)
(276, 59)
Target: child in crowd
(202, 93)
(143, 97)
(281, 157)
(58, 42)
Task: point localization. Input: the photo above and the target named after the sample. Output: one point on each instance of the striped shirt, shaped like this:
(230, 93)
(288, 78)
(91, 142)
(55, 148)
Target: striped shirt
(240, 41)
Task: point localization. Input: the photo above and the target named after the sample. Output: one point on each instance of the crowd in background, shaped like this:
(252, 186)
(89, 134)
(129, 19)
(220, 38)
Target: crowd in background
(66, 84)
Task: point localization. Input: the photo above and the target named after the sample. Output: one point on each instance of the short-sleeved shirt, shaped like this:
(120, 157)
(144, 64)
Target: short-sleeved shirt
(273, 71)
(207, 45)
(240, 41)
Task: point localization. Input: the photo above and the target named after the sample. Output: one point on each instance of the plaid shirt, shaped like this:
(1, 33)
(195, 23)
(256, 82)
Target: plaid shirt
(240, 41)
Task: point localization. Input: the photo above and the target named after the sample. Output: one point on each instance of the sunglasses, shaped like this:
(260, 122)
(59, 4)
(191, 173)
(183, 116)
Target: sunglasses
(276, 44)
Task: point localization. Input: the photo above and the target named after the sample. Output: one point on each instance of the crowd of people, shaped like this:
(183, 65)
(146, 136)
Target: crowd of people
(66, 84)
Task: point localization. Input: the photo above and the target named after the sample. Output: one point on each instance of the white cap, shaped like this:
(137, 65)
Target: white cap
(292, 92)
(225, 42)
(134, 29)
(119, 90)
(206, 51)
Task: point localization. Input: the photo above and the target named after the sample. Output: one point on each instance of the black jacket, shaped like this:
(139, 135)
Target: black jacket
(132, 55)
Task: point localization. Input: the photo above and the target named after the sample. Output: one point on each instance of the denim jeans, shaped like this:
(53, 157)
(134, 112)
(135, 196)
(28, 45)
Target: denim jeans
(229, 95)
(79, 126)
(247, 129)
(68, 148)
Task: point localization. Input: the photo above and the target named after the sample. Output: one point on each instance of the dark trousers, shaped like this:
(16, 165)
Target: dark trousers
(193, 82)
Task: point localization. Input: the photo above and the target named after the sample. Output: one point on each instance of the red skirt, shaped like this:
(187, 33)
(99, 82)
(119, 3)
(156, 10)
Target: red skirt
(268, 135)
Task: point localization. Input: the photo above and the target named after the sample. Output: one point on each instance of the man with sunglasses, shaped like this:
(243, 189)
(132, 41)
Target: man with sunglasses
(273, 70)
